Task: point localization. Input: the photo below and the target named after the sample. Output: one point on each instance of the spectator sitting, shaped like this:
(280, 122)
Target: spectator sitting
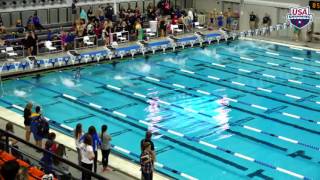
(174, 20)
(36, 22)
(19, 26)
(62, 169)
(69, 40)
(2, 42)
(9, 170)
(23, 174)
(49, 35)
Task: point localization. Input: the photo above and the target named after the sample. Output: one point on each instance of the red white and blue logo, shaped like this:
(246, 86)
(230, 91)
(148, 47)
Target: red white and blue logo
(300, 17)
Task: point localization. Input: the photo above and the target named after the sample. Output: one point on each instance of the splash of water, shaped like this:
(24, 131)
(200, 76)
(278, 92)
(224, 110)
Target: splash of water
(210, 53)
(20, 93)
(178, 60)
(68, 82)
(118, 77)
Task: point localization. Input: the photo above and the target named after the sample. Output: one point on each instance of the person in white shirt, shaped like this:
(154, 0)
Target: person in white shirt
(87, 156)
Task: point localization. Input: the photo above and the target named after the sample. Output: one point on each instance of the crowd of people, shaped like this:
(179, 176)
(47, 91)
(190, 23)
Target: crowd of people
(87, 145)
(102, 24)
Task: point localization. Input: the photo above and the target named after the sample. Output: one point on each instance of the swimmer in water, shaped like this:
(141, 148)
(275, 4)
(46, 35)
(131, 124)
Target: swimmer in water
(224, 101)
(78, 73)
(114, 64)
(146, 59)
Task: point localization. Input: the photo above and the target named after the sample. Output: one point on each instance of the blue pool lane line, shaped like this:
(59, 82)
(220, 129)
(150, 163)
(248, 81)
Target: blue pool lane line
(276, 54)
(175, 133)
(271, 65)
(156, 81)
(124, 117)
(295, 82)
(70, 130)
(209, 77)
(242, 85)
(115, 88)
(235, 154)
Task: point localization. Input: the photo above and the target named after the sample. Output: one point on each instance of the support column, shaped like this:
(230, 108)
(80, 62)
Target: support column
(114, 7)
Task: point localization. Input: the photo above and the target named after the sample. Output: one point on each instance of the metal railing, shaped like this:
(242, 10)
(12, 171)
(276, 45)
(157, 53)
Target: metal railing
(27, 156)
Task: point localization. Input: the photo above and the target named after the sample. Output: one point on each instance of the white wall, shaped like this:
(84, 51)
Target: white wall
(260, 12)
(207, 5)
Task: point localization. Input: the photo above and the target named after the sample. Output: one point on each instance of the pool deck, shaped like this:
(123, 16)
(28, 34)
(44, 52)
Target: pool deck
(315, 45)
(123, 169)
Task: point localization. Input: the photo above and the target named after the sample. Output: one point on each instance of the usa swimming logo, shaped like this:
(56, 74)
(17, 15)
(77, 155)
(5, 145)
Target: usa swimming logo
(300, 17)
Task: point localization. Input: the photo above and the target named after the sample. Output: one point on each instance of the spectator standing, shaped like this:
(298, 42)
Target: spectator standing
(138, 29)
(229, 15)
(266, 22)
(162, 27)
(105, 147)
(77, 135)
(147, 139)
(253, 21)
(47, 160)
(36, 22)
(34, 126)
(109, 12)
(220, 20)
(83, 15)
(87, 155)
(310, 30)
(30, 25)
(63, 38)
(90, 14)
(27, 120)
(147, 159)
(95, 144)
(2, 28)
(39, 127)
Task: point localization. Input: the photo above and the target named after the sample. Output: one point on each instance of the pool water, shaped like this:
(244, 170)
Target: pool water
(238, 111)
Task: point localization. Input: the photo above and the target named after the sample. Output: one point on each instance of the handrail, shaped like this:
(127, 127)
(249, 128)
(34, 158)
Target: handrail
(10, 135)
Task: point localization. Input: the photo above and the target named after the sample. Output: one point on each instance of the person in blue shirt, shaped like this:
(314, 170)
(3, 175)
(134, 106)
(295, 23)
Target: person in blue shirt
(96, 142)
(36, 22)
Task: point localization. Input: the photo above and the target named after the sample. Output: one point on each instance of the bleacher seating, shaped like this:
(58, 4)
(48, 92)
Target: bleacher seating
(34, 172)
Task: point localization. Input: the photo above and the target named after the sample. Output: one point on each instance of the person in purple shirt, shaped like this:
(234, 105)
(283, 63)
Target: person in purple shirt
(36, 22)
(96, 142)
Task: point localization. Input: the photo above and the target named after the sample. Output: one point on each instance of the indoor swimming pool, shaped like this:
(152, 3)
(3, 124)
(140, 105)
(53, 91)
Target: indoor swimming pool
(226, 111)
